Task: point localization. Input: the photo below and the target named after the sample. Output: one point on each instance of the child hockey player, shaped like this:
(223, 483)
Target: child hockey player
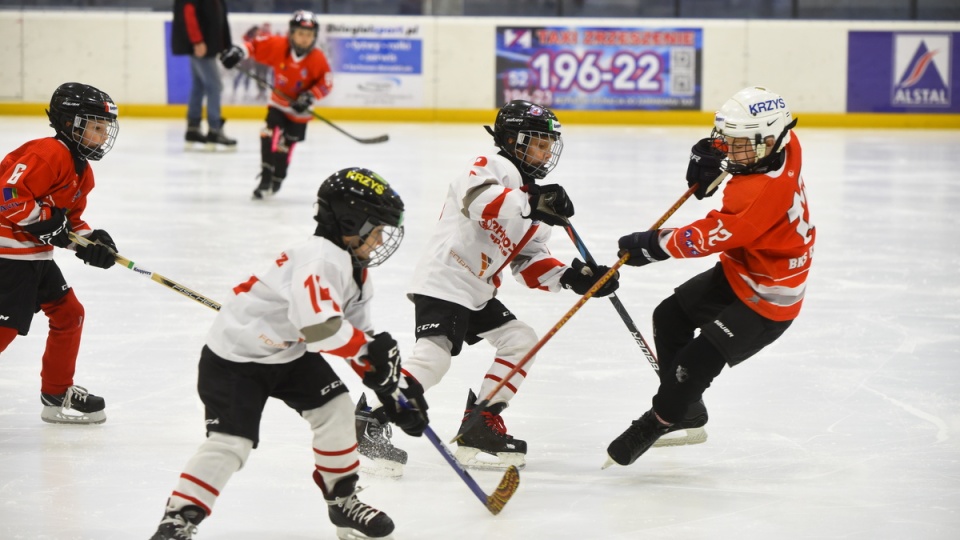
(272, 340)
(44, 196)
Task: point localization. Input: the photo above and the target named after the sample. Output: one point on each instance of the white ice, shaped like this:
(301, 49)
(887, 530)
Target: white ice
(847, 427)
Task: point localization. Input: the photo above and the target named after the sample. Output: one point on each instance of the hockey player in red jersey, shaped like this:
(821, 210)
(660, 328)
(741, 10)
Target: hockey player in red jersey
(301, 75)
(44, 194)
(765, 239)
(491, 220)
(273, 340)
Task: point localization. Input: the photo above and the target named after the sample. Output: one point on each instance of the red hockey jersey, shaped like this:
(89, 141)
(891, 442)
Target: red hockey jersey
(763, 234)
(292, 75)
(36, 177)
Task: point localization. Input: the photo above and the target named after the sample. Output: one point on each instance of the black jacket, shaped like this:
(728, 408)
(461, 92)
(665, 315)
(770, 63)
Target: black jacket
(212, 18)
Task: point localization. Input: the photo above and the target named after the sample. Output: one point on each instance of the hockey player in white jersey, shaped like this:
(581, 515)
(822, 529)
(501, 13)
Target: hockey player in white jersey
(272, 340)
(495, 216)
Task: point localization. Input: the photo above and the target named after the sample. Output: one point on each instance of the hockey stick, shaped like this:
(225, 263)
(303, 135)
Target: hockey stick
(169, 283)
(474, 415)
(617, 304)
(508, 484)
(264, 82)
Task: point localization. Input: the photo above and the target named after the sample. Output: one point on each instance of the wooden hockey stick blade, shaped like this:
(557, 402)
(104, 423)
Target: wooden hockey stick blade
(266, 83)
(153, 276)
(508, 484)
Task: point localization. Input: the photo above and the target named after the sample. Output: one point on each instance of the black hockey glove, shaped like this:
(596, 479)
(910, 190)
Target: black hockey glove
(302, 103)
(643, 247)
(102, 253)
(231, 57)
(549, 204)
(581, 277)
(53, 231)
(412, 418)
(383, 357)
(704, 167)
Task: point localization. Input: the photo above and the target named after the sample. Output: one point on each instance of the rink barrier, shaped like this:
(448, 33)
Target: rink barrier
(482, 116)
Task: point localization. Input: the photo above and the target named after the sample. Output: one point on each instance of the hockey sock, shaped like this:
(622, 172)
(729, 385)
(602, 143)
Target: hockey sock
(429, 361)
(513, 340)
(697, 365)
(334, 439)
(208, 471)
(63, 343)
(7, 335)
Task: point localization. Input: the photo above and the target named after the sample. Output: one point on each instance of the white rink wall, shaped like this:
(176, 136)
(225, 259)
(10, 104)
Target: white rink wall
(125, 52)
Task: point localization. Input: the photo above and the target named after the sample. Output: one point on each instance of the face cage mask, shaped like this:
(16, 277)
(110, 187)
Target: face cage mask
(99, 127)
(391, 237)
(522, 146)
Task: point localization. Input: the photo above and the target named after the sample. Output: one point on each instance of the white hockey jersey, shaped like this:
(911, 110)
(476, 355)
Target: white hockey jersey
(307, 300)
(480, 226)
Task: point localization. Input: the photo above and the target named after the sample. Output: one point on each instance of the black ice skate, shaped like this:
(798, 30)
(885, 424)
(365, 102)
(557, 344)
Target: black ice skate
(216, 140)
(637, 439)
(373, 442)
(264, 189)
(355, 520)
(691, 427)
(489, 437)
(75, 406)
(179, 524)
(193, 139)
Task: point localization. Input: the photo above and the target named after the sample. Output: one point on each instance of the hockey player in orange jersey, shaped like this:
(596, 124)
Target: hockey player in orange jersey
(44, 194)
(300, 72)
(765, 239)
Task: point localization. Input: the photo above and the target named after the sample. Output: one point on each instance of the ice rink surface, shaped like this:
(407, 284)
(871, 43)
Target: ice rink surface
(848, 427)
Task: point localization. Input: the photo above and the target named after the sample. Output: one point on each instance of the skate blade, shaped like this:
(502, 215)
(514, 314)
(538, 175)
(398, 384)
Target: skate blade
(473, 458)
(196, 147)
(682, 437)
(346, 533)
(383, 468)
(58, 415)
(608, 463)
(214, 147)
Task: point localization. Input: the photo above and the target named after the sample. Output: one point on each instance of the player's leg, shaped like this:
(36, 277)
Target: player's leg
(270, 137)
(233, 396)
(487, 444)
(311, 387)
(293, 132)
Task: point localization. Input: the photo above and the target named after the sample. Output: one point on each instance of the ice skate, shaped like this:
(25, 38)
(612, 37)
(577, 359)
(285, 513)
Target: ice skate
(75, 406)
(216, 140)
(373, 442)
(687, 431)
(179, 524)
(354, 519)
(487, 445)
(637, 439)
(264, 189)
(194, 140)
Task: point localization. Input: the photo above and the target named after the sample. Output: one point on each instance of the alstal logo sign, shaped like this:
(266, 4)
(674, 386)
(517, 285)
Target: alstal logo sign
(921, 70)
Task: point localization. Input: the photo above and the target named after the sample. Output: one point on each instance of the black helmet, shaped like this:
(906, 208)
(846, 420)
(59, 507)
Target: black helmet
(518, 123)
(353, 202)
(303, 19)
(85, 119)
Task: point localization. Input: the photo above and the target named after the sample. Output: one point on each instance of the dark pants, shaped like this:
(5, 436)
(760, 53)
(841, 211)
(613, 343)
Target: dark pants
(730, 332)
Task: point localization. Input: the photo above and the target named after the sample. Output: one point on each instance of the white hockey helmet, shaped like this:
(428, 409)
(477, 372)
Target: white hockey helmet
(756, 113)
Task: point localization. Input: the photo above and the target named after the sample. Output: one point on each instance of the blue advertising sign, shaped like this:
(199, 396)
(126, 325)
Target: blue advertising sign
(903, 72)
(600, 68)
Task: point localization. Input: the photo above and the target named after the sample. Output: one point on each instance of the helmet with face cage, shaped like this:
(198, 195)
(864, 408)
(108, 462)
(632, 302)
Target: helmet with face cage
(85, 119)
(760, 116)
(521, 123)
(303, 19)
(354, 202)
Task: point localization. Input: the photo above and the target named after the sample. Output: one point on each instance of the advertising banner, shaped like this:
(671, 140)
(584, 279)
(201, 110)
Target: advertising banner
(373, 65)
(906, 72)
(591, 68)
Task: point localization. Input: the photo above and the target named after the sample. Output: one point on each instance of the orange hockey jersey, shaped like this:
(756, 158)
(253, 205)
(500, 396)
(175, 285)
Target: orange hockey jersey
(763, 234)
(292, 75)
(36, 177)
